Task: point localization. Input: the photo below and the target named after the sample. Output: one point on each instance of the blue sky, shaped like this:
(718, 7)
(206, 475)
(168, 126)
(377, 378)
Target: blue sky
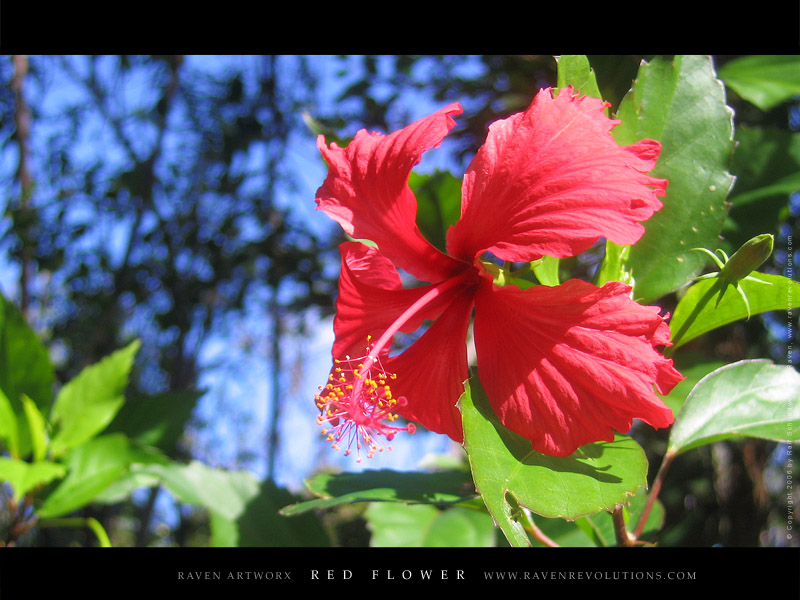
(236, 406)
(302, 450)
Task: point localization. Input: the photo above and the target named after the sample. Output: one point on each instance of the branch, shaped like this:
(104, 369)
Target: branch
(22, 123)
(654, 491)
(620, 531)
(537, 533)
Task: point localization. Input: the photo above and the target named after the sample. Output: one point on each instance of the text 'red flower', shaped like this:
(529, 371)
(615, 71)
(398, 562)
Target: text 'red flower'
(562, 366)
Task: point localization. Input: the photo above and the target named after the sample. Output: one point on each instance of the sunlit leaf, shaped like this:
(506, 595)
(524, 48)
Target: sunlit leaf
(25, 368)
(36, 427)
(753, 398)
(615, 265)
(576, 71)
(598, 529)
(769, 292)
(680, 103)
(89, 402)
(92, 467)
(9, 425)
(546, 270)
(215, 489)
(507, 472)
(25, 476)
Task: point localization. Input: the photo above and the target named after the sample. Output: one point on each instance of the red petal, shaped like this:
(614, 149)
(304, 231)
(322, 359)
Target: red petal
(565, 366)
(432, 371)
(366, 192)
(551, 181)
(370, 298)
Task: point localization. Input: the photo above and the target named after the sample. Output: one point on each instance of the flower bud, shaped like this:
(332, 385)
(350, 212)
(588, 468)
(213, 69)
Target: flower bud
(748, 258)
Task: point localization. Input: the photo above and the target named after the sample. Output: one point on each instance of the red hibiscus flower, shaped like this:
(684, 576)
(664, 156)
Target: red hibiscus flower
(562, 366)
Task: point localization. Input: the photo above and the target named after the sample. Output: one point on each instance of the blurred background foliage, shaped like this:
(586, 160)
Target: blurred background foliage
(160, 198)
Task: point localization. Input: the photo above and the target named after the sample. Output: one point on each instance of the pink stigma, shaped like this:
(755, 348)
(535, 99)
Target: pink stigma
(358, 404)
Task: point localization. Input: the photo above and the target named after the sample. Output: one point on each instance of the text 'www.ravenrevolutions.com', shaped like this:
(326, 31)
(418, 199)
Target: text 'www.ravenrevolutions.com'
(591, 575)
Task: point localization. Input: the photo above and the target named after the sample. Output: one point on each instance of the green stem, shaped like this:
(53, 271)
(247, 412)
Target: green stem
(91, 523)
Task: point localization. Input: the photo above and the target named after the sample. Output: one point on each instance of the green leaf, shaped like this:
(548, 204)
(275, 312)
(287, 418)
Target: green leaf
(693, 367)
(244, 511)
(507, 472)
(767, 168)
(92, 467)
(9, 425)
(680, 103)
(598, 529)
(24, 476)
(768, 292)
(36, 427)
(546, 270)
(438, 204)
(783, 187)
(217, 490)
(446, 487)
(140, 456)
(614, 266)
(576, 71)
(260, 523)
(25, 368)
(765, 157)
(763, 79)
(461, 527)
(399, 525)
(420, 525)
(157, 420)
(752, 398)
(89, 402)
